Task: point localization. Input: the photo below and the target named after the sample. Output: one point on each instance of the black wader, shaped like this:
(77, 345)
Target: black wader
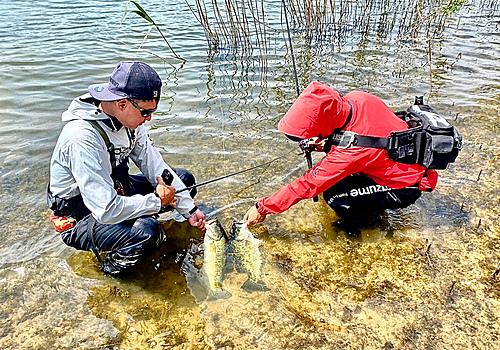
(359, 200)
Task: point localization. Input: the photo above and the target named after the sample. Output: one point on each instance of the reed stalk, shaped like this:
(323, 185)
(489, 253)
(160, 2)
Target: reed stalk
(241, 26)
(142, 13)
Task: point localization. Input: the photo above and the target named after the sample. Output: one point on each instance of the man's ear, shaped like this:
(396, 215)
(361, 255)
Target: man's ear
(121, 104)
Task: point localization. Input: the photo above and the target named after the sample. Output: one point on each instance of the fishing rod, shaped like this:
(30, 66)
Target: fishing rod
(307, 151)
(222, 177)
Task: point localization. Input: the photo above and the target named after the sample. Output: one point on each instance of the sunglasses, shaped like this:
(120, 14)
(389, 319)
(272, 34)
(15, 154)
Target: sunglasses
(145, 113)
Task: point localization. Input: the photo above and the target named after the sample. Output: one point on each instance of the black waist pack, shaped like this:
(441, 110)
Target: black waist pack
(71, 208)
(430, 141)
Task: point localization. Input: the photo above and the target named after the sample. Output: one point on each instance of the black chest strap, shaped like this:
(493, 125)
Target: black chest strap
(329, 139)
(346, 139)
(109, 145)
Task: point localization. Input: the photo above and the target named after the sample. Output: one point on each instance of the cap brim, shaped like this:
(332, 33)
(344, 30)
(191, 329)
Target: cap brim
(102, 93)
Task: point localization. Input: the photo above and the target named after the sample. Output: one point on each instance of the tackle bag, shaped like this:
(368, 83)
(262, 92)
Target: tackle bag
(430, 141)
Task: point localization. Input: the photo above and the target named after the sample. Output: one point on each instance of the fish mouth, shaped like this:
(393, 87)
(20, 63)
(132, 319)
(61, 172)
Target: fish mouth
(216, 223)
(236, 229)
(238, 224)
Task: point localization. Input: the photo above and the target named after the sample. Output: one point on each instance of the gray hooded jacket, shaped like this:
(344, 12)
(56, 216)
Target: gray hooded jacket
(81, 164)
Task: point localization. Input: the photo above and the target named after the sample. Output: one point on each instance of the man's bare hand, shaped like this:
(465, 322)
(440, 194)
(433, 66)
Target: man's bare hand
(165, 192)
(317, 144)
(253, 217)
(198, 220)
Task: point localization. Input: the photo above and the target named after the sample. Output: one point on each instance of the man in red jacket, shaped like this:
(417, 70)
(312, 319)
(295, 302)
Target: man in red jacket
(357, 182)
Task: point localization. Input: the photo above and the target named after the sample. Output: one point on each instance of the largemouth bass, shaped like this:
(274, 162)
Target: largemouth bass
(214, 246)
(245, 248)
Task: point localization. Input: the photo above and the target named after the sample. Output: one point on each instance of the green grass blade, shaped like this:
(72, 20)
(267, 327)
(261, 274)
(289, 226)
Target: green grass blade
(143, 15)
(141, 12)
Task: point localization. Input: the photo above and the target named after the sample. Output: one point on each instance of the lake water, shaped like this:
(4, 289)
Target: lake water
(423, 281)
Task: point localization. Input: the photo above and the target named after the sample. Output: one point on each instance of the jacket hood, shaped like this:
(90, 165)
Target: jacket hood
(317, 112)
(83, 107)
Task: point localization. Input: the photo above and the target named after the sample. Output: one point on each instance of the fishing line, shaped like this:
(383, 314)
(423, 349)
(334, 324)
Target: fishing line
(254, 183)
(224, 146)
(226, 176)
(291, 49)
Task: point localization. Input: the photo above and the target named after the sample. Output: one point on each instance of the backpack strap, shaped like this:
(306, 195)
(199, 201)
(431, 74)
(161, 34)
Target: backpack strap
(401, 146)
(109, 145)
(348, 120)
(347, 139)
(329, 139)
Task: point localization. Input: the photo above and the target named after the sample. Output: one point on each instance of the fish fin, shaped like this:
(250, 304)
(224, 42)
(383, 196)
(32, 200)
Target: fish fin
(239, 267)
(224, 233)
(252, 286)
(218, 294)
(233, 231)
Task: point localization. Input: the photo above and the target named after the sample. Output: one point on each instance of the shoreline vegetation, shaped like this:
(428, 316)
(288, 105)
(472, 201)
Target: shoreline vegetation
(241, 30)
(243, 27)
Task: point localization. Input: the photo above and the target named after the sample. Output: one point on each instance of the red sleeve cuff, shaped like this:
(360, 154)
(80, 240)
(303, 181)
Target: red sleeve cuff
(261, 208)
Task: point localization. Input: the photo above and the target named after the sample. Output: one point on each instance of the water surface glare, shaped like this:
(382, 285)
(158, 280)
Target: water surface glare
(422, 281)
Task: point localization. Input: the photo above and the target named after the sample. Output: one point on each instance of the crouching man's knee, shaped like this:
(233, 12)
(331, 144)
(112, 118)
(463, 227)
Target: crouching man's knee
(145, 237)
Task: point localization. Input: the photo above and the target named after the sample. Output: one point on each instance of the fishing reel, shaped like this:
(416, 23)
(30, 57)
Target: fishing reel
(306, 146)
(312, 144)
(167, 177)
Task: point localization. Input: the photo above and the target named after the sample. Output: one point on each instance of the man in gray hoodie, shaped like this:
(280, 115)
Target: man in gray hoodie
(97, 206)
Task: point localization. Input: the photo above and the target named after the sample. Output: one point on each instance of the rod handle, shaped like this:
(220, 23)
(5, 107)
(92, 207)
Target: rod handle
(310, 165)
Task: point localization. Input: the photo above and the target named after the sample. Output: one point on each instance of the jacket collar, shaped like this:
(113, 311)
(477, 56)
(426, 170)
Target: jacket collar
(113, 123)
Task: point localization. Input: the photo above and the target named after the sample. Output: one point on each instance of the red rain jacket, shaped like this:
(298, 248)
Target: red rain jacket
(316, 113)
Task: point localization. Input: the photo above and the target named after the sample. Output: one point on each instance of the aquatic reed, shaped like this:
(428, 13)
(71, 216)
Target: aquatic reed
(142, 13)
(241, 25)
(234, 25)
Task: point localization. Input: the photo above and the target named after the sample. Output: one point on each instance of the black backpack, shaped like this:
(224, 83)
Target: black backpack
(430, 141)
